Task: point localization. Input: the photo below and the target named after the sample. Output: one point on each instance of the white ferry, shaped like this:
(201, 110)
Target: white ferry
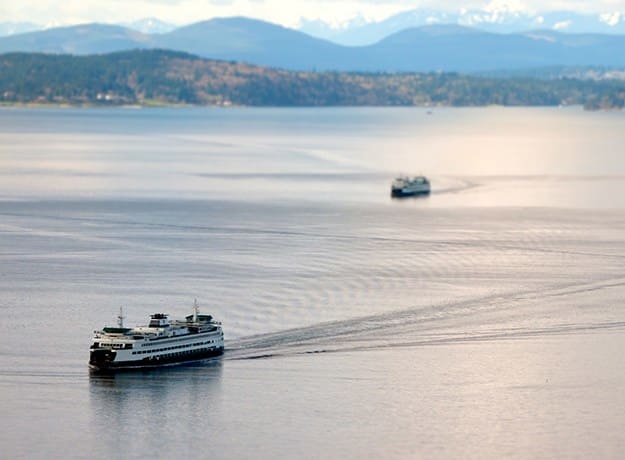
(407, 186)
(162, 342)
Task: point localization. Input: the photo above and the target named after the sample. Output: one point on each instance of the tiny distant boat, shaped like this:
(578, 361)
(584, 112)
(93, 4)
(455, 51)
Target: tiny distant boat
(410, 186)
(163, 342)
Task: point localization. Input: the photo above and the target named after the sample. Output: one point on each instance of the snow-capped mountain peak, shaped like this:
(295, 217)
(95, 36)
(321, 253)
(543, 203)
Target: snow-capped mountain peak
(151, 26)
(500, 16)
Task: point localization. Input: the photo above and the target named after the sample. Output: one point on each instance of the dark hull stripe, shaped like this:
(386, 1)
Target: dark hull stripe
(399, 193)
(107, 365)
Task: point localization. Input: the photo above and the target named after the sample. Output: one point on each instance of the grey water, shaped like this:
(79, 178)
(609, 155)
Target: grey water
(486, 320)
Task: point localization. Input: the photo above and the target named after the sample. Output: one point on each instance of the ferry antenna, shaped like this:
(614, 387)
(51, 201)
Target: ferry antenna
(120, 317)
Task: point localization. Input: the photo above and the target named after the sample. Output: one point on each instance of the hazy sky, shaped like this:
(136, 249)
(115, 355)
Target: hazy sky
(287, 12)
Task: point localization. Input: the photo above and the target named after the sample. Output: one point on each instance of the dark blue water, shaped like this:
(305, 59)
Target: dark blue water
(483, 321)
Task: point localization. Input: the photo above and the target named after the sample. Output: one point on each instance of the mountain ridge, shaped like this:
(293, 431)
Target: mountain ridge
(502, 20)
(359, 31)
(427, 48)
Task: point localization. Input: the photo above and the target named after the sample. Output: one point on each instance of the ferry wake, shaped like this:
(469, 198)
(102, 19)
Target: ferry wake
(163, 342)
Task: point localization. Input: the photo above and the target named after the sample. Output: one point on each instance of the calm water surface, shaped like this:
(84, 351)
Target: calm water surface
(484, 321)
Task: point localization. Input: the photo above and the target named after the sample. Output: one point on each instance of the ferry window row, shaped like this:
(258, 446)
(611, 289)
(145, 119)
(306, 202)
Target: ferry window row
(172, 348)
(180, 353)
(155, 344)
(115, 346)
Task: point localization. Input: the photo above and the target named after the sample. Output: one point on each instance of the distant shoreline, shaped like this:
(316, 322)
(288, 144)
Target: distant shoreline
(159, 78)
(192, 106)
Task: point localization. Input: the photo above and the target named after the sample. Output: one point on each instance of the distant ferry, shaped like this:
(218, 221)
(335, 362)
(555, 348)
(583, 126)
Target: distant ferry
(407, 186)
(162, 342)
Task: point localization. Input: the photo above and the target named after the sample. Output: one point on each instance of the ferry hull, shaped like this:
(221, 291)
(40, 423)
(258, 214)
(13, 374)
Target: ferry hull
(104, 360)
(398, 193)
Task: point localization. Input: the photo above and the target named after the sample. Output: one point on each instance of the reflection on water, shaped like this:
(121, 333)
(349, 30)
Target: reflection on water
(144, 381)
(161, 410)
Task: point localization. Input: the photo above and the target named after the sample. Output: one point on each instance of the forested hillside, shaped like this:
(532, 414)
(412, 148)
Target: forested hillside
(148, 77)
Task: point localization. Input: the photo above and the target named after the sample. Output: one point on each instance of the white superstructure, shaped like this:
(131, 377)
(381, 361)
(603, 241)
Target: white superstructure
(161, 342)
